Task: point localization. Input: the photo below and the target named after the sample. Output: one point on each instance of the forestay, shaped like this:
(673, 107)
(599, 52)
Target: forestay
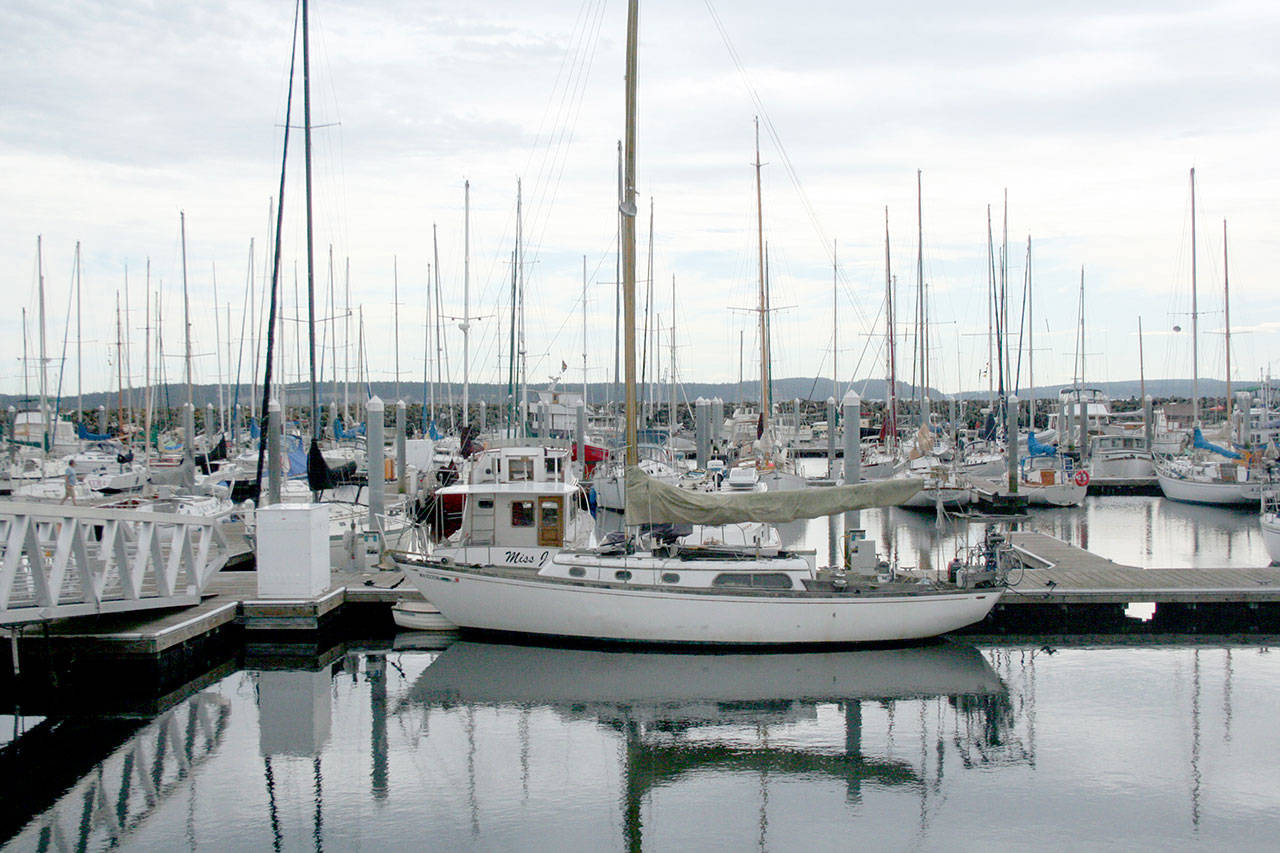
(651, 501)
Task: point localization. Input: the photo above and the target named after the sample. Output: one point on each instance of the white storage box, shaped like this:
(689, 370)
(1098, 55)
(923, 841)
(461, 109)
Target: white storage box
(293, 550)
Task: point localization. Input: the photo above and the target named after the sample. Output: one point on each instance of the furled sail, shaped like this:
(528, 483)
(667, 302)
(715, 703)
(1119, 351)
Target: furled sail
(651, 501)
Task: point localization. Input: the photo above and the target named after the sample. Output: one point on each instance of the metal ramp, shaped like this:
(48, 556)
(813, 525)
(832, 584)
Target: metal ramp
(59, 561)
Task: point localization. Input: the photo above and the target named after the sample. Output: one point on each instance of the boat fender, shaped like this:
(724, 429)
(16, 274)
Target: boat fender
(1081, 477)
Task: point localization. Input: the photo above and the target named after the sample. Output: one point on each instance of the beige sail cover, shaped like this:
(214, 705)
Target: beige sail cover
(651, 501)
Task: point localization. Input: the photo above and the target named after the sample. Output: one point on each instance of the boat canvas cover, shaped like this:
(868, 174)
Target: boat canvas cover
(1198, 440)
(651, 501)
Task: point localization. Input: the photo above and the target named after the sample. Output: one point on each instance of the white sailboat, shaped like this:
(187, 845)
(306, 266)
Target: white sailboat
(650, 588)
(1210, 473)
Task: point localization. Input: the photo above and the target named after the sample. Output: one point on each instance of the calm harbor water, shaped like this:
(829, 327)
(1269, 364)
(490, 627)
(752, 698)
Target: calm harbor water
(494, 747)
(499, 747)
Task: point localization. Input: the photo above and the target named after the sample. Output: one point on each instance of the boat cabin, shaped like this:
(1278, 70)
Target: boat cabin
(519, 496)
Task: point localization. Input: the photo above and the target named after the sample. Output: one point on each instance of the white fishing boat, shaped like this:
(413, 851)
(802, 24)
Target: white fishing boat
(1052, 480)
(1121, 460)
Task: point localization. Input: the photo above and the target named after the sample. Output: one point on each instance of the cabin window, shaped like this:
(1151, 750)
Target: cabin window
(577, 572)
(622, 575)
(520, 468)
(670, 577)
(522, 514)
(484, 503)
(552, 464)
(760, 580)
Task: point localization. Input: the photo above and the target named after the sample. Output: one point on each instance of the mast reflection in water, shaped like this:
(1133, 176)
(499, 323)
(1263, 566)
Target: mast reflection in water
(778, 718)
(510, 747)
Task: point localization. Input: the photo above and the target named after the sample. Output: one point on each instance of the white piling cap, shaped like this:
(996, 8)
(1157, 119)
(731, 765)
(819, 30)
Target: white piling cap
(851, 398)
(273, 405)
(400, 404)
(375, 404)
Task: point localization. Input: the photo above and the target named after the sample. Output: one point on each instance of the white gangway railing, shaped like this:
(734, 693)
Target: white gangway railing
(59, 561)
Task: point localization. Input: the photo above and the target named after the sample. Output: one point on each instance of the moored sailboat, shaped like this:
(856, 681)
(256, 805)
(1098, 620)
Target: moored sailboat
(650, 588)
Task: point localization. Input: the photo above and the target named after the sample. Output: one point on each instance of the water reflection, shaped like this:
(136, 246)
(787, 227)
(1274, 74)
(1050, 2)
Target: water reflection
(687, 716)
(120, 793)
(514, 747)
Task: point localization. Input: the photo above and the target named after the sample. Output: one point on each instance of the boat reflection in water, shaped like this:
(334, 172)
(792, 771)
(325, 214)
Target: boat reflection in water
(782, 717)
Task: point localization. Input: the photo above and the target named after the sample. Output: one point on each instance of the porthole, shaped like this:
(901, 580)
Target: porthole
(577, 572)
(670, 577)
(622, 575)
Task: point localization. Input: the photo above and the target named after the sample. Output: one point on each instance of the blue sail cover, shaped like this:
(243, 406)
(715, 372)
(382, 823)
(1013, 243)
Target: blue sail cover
(1204, 444)
(297, 457)
(1035, 448)
(433, 432)
(82, 433)
(254, 430)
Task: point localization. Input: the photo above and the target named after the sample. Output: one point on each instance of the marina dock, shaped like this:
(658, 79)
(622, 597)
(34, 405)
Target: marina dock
(1054, 588)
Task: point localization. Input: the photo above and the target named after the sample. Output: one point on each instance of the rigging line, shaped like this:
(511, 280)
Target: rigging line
(544, 197)
(772, 131)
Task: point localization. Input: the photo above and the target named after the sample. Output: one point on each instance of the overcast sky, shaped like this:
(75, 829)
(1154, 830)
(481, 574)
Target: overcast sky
(115, 117)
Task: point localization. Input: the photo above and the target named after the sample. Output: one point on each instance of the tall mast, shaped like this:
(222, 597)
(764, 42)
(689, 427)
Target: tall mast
(395, 312)
(311, 265)
(79, 344)
(523, 355)
(891, 433)
(346, 344)
(146, 403)
(186, 310)
(1195, 314)
(671, 412)
(26, 360)
(44, 381)
(217, 340)
(1031, 345)
(835, 328)
(119, 369)
(1226, 296)
(617, 282)
(435, 266)
(1142, 369)
(465, 325)
(584, 335)
(924, 320)
(333, 351)
(628, 210)
(764, 332)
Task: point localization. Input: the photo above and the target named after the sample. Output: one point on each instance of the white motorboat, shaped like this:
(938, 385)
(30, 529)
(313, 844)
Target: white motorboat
(1121, 460)
(1052, 480)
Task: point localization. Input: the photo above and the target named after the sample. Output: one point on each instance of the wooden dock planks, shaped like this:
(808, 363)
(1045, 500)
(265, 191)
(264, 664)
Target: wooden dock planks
(1073, 575)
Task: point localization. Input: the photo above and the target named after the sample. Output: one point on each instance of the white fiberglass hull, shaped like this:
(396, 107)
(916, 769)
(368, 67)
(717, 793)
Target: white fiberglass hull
(1271, 535)
(533, 605)
(1205, 492)
(1059, 494)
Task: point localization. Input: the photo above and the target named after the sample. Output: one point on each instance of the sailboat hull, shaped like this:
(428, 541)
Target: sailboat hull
(502, 602)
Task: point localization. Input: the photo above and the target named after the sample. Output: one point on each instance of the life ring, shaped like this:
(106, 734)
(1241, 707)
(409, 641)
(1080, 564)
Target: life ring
(1081, 478)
